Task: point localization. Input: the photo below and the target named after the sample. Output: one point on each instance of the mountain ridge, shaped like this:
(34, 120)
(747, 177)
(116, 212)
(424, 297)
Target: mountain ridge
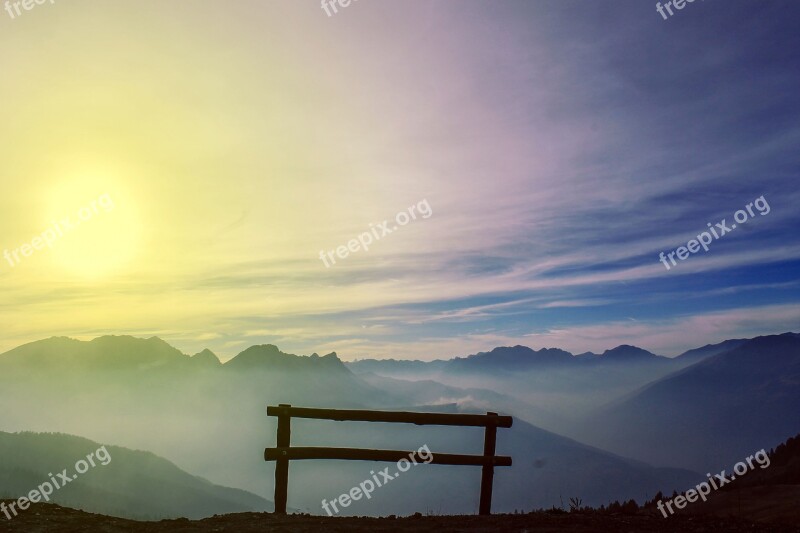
(130, 483)
(753, 389)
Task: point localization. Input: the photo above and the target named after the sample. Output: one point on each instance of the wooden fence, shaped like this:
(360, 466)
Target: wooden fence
(284, 453)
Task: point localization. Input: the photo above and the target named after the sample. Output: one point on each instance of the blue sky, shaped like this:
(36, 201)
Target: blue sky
(658, 128)
(562, 145)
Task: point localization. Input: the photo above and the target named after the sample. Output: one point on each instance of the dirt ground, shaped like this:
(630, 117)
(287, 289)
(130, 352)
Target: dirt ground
(51, 518)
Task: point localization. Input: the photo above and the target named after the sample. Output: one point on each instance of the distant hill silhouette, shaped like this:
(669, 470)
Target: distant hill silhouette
(269, 357)
(708, 350)
(560, 386)
(210, 419)
(712, 413)
(134, 484)
(206, 358)
(511, 359)
(627, 352)
(507, 358)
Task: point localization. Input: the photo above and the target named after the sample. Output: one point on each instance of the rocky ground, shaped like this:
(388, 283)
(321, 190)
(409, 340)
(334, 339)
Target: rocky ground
(52, 518)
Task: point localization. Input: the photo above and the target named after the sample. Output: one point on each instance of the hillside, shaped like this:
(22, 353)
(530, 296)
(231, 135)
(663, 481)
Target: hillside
(132, 484)
(769, 493)
(711, 414)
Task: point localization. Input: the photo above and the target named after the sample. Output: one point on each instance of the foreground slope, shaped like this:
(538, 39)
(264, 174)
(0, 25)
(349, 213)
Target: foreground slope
(50, 518)
(132, 484)
(769, 493)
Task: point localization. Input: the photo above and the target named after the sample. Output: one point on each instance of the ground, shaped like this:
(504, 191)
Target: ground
(52, 518)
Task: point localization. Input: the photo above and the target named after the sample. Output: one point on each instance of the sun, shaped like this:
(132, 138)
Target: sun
(92, 221)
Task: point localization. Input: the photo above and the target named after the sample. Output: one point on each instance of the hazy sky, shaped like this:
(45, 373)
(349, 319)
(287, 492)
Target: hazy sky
(561, 146)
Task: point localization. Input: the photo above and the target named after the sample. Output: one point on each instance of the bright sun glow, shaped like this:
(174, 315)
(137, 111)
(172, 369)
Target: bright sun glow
(95, 225)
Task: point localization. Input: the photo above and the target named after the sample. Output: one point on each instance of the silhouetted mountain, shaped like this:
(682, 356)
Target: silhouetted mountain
(563, 387)
(628, 353)
(132, 484)
(711, 414)
(504, 359)
(511, 359)
(708, 350)
(206, 358)
(268, 357)
(397, 367)
(212, 421)
(109, 353)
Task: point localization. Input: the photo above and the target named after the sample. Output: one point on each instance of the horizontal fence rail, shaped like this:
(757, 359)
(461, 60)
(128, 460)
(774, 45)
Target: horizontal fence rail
(283, 452)
(389, 456)
(420, 419)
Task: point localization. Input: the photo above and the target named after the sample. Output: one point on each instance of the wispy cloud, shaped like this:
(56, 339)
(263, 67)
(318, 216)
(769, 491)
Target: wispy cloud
(559, 161)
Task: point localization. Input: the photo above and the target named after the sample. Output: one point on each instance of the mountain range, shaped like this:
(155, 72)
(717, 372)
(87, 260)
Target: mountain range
(632, 409)
(721, 409)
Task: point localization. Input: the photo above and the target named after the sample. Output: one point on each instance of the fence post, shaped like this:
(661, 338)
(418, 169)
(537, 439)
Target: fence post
(282, 465)
(487, 473)
(284, 452)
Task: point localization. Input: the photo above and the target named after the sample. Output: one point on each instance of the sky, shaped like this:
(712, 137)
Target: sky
(189, 169)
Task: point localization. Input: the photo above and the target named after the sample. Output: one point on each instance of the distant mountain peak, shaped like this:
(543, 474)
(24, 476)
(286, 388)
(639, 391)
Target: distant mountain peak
(270, 357)
(269, 347)
(206, 357)
(514, 357)
(627, 352)
(135, 348)
(108, 352)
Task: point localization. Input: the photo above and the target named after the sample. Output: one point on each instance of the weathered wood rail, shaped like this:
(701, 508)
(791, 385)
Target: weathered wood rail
(283, 452)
